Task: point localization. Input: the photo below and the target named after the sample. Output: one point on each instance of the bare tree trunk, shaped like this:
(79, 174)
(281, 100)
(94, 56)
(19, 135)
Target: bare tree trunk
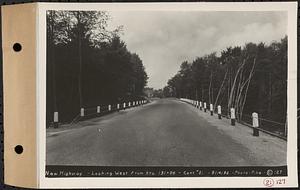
(249, 80)
(80, 60)
(239, 99)
(202, 92)
(212, 93)
(52, 61)
(220, 89)
(228, 91)
(231, 98)
(286, 126)
(209, 88)
(270, 95)
(238, 93)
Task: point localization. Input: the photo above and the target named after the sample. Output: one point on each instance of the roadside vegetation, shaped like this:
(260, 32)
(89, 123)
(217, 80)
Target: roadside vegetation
(88, 64)
(252, 78)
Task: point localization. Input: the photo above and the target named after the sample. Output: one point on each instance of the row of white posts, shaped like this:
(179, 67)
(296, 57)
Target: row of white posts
(198, 104)
(82, 110)
(134, 103)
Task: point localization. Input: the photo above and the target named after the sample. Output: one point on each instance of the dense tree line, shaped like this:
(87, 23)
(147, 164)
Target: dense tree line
(87, 64)
(250, 79)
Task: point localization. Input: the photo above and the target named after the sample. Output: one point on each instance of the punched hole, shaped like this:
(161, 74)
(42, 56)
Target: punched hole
(19, 149)
(17, 47)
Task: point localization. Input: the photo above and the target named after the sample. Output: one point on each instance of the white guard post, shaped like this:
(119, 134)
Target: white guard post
(219, 112)
(197, 104)
(200, 105)
(55, 119)
(98, 109)
(255, 124)
(118, 106)
(211, 108)
(124, 105)
(128, 104)
(109, 107)
(82, 112)
(133, 103)
(204, 106)
(232, 116)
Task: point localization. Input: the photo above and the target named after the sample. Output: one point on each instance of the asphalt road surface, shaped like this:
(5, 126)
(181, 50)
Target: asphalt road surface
(166, 132)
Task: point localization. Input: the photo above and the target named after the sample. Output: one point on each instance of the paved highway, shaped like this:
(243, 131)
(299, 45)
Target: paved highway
(166, 132)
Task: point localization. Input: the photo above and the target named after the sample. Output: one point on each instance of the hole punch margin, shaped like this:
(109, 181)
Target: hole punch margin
(17, 47)
(19, 149)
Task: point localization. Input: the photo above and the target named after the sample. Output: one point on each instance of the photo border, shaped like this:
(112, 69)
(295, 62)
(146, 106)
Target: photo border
(178, 182)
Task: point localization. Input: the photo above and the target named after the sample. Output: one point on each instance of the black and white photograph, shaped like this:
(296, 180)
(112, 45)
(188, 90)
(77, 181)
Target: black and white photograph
(166, 93)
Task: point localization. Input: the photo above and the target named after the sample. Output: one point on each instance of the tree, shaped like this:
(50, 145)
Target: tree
(237, 78)
(92, 64)
(89, 28)
(56, 30)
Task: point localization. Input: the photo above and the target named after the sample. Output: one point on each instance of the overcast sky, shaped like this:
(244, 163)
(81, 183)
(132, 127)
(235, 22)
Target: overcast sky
(163, 40)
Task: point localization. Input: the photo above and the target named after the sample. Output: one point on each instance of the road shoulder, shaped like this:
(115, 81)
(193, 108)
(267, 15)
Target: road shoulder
(269, 149)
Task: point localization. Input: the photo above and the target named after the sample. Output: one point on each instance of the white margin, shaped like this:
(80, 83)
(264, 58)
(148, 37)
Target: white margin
(176, 182)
